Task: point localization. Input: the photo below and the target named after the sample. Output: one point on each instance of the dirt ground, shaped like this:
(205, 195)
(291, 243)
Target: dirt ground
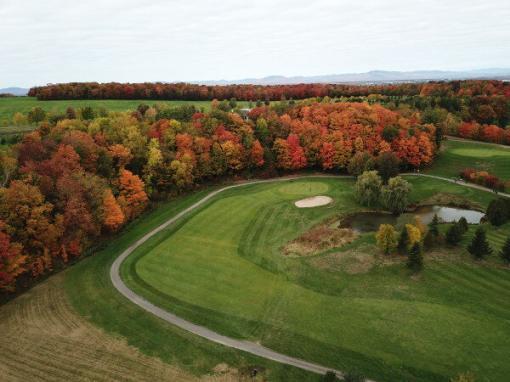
(43, 339)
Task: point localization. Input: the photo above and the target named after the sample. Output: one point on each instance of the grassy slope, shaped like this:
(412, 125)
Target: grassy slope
(223, 269)
(455, 156)
(92, 295)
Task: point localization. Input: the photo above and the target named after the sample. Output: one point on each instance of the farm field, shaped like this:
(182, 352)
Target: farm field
(458, 155)
(223, 268)
(11, 105)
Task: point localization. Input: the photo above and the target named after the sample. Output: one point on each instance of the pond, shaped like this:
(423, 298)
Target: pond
(370, 221)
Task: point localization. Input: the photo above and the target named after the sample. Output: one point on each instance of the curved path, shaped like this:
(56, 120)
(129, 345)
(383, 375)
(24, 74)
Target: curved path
(247, 346)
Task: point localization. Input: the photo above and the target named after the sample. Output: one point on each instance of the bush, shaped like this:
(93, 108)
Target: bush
(354, 376)
(329, 377)
(483, 178)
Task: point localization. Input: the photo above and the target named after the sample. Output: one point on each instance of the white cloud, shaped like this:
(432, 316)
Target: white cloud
(125, 40)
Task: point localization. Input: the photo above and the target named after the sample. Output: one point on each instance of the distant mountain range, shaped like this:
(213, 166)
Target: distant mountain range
(14, 91)
(375, 76)
(372, 77)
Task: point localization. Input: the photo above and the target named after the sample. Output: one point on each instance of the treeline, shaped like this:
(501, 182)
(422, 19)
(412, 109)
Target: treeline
(184, 91)
(73, 181)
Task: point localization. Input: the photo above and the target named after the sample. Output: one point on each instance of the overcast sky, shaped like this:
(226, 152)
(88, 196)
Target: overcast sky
(43, 41)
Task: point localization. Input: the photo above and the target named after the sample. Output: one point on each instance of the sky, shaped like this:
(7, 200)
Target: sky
(55, 41)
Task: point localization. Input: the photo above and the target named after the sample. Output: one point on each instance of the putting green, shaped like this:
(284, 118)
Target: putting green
(222, 267)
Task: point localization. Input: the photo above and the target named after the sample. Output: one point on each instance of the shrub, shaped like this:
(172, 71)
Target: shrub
(483, 178)
(354, 376)
(329, 377)
(479, 246)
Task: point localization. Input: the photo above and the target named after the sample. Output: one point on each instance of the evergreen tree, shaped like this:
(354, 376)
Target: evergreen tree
(403, 241)
(479, 246)
(463, 225)
(430, 240)
(415, 260)
(434, 226)
(454, 234)
(505, 251)
(497, 212)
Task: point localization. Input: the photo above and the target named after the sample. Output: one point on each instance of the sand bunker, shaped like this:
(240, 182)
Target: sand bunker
(314, 201)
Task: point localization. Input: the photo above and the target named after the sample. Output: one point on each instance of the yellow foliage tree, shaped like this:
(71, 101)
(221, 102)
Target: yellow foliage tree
(414, 234)
(387, 238)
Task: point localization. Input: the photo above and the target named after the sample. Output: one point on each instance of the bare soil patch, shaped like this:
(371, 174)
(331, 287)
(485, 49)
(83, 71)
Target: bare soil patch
(319, 239)
(314, 201)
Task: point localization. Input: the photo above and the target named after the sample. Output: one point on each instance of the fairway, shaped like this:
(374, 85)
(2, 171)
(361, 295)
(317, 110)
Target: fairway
(222, 267)
(458, 155)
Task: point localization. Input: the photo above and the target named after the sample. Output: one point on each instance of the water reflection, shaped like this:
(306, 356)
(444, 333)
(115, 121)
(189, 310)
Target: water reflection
(370, 221)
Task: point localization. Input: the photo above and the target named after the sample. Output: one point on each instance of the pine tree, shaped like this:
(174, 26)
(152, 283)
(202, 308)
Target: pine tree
(454, 234)
(505, 251)
(434, 226)
(479, 246)
(430, 240)
(415, 260)
(403, 241)
(463, 225)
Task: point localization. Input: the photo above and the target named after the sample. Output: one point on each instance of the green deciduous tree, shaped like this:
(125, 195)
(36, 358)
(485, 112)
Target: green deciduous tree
(387, 164)
(395, 195)
(368, 188)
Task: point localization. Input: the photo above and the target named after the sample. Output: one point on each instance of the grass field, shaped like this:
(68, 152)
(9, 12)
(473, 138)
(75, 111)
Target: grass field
(456, 156)
(11, 105)
(223, 268)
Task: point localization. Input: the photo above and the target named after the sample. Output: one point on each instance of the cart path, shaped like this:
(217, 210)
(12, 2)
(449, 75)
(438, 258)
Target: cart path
(202, 331)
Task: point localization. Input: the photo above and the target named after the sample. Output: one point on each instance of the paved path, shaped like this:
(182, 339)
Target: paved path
(247, 346)
(458, 139)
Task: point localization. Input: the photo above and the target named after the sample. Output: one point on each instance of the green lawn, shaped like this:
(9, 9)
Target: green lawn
(93, 296)
(222, 268)
(11, 105)
(456, 156)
